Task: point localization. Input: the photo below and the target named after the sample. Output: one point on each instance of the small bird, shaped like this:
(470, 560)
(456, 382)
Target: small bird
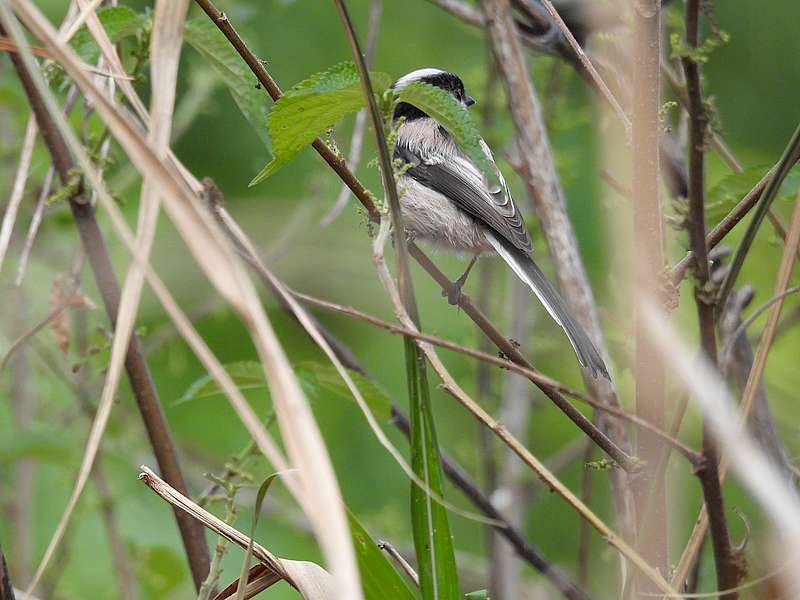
(448, 202)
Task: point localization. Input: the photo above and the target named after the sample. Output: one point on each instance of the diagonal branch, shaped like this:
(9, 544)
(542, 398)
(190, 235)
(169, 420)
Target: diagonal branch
(451, 387)
(543, 187)
(340, 167)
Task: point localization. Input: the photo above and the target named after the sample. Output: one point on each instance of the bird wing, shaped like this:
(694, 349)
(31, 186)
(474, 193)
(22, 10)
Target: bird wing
(458, 178)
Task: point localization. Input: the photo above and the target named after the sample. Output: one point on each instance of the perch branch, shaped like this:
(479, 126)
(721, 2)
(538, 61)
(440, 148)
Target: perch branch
(340, 167)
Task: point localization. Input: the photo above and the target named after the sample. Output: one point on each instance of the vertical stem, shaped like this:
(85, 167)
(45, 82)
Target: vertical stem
(708, 473)
(437, 568)
(648, 240)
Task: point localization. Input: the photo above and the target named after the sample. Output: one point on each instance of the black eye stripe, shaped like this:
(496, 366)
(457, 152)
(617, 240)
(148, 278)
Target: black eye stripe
(448, 82)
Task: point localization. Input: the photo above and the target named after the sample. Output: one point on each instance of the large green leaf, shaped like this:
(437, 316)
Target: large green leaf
(247, 375)
(36, 445)
(450, 114)
(319, 381)
(118, 21)
(311, 107)
(438, 577)
(202, 35)
(379, 578)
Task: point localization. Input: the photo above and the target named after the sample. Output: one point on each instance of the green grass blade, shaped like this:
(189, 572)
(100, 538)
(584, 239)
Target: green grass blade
(378, 576)
(262, 493)
(434, 545)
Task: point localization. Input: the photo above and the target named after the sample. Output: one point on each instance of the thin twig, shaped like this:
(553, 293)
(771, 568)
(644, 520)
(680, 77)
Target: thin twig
(451, 387)
(33, 228)
(526, 551)
(540, 380)
(790, 157)
(728, 572)
(694, 544)
(67, 301)
(724, 227)
(399, 560)
(18, 188)
(588, 66)
(340, 167)
(736, 361)
(359, 128)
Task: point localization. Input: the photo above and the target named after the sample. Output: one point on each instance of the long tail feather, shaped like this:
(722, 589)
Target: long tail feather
(527, 270)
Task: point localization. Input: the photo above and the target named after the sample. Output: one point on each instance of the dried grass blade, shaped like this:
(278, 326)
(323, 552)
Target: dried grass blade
(18, 188)
(313, 331)
(311, 580)
(303, 439)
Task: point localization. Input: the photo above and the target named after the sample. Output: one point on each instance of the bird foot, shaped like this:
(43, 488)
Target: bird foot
(454, 294)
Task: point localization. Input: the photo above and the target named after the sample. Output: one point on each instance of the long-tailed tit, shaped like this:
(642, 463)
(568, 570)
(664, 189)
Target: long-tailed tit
(448, 202)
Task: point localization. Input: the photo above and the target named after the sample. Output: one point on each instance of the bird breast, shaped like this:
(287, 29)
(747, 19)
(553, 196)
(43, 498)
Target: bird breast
(433, 218)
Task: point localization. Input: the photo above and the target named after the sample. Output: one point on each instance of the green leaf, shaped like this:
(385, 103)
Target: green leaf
(319, 381)
(432, 541)
(311, 107)
(160, 570)
(262, 492)
(202, 35)
(247, 375)
(450, 114)
(735, 186)
(36, 445)
(118, 21)
(379, 578)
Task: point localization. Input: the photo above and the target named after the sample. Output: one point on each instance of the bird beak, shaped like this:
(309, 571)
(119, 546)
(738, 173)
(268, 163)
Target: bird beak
(469, 101)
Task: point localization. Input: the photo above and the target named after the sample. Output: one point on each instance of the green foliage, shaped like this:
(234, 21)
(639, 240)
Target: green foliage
(701, 54)
(312, 106)
(379, 578)
(119, 22)
(733, 187)
(202, 35)
(247, 375)
(160, 572)
(318, 381)
(36, 445)
(451, 115)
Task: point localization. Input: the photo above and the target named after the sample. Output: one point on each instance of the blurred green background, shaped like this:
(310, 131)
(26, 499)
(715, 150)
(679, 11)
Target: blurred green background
(754, 81)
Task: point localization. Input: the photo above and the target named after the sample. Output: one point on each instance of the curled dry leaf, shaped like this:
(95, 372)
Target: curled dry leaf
(59, 325)
(312, 581)
(64, 294)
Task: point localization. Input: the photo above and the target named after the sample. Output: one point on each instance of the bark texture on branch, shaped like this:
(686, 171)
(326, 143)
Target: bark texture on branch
(537, 169)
